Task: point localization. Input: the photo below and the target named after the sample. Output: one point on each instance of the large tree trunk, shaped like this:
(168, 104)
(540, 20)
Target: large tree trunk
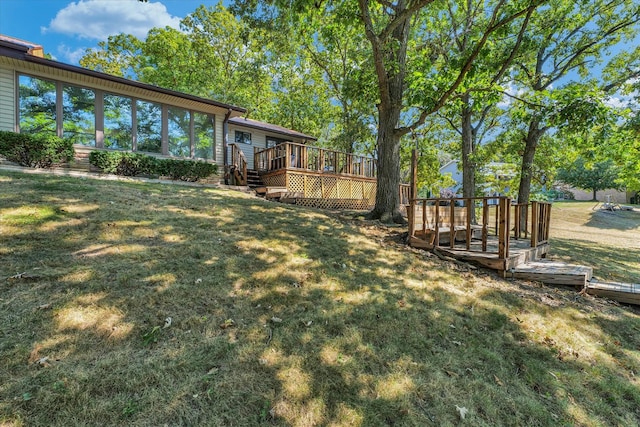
(387, 192)
(390, 61)
(526, 169)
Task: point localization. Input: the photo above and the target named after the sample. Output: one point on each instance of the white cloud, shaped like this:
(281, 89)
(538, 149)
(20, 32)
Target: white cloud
(70, 55)
(98, 19)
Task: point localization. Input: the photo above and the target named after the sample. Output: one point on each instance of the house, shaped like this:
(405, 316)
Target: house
(494, 179)
(99, 111)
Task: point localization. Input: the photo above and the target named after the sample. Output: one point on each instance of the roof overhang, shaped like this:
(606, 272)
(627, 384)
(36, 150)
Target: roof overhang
(17, 56)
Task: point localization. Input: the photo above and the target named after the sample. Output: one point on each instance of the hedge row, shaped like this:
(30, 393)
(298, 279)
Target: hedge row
(35, 150)
(132, 164)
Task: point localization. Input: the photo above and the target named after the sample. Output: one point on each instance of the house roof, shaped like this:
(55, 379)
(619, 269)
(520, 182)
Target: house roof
(25, 51)
(268, 127)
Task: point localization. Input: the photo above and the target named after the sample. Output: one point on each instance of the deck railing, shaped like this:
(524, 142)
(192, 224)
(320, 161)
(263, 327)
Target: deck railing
(465, 219)
(238, 165)
(289, 155)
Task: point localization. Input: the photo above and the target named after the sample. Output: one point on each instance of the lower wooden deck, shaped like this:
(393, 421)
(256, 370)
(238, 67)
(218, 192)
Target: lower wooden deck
(520, 251)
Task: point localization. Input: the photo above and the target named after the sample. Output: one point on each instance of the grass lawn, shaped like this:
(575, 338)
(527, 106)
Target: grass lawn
(607, 241)
(282, 316)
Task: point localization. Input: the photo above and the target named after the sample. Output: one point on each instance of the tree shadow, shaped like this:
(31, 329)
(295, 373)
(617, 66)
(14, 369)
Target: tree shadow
(279, 316)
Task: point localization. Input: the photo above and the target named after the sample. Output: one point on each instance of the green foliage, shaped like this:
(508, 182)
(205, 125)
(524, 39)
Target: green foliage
(596, 176)
(124, 163)
(186, 170)
(35, 150)
(132, 164)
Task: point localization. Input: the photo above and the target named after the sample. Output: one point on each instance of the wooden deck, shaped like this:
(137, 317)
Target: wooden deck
(321, 178)
(520, 251)
(628, 293)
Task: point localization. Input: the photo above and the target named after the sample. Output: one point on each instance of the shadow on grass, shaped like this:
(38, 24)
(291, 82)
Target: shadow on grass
(609, 262)
(617, 220)
(279, 316)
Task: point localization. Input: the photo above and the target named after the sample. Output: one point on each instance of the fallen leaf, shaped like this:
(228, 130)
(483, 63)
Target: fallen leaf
(227, 324)
(462, 412)
(498, 381)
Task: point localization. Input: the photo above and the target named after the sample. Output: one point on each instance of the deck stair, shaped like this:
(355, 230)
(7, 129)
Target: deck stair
(553, 273)
(253, 179)
(628, 293)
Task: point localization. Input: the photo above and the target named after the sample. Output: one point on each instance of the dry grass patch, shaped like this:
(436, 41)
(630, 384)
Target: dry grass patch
(607, 241)
(279, 316)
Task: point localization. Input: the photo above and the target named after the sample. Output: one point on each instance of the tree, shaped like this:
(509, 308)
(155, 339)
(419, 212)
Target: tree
(595, 177)
(388, 26)
(565, 37)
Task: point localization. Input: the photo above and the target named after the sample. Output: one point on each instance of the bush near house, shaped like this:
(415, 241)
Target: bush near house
(186, 170)
(35, 150)
(132, 164)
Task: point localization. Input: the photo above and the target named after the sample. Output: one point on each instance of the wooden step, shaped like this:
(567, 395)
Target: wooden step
(628, 293)
(268, 190)
(553, 273)
(283, 195)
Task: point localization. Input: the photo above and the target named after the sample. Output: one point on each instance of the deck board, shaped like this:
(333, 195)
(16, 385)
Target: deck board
(628, 293)
(553, 273)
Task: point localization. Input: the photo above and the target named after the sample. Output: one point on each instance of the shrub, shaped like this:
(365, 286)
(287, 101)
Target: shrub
(124, 163)
(132, 164)
(35, 150)
(187, 170)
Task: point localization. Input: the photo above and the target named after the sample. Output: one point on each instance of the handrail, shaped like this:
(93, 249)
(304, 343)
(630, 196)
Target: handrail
(429, 216)
(239, 165)
(290, 155)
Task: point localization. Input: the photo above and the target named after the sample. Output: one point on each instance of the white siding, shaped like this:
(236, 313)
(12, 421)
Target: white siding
(258, 141)
(7, 100)
(219, 141)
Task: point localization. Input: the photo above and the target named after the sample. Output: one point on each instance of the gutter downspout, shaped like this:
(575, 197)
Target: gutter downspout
(225, 142)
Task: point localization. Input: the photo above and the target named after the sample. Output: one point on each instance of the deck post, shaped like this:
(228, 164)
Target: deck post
(485, 223)
(469, 203)
(503, 231)
(436, 242)
(413, 192)
(452, 223)
(516, 225)
(534, 224)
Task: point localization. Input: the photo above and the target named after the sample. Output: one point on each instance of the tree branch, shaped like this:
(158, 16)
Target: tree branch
(493, 26)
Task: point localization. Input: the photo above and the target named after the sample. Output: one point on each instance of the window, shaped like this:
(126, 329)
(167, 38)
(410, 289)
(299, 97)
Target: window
(272, 141)
(78, 115)
(243, 137)
(179, 130)
(149, 129)
(117, 122)
(204, 126)
(37, 99)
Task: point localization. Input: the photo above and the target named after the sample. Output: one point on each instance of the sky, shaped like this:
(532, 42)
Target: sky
(65, 28)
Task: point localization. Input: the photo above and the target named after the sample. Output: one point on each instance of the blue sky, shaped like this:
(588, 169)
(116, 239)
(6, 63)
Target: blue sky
(66, 28)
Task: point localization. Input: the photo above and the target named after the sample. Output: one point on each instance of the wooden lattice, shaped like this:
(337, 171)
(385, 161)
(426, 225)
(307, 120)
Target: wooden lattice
(275, 180)
(355, 204)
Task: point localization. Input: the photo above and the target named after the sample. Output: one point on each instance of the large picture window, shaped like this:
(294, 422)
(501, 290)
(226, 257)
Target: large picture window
(149, 129)
(204, 127)
(179, 129)
(37, 99)
(79, 117)
(117, 122)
